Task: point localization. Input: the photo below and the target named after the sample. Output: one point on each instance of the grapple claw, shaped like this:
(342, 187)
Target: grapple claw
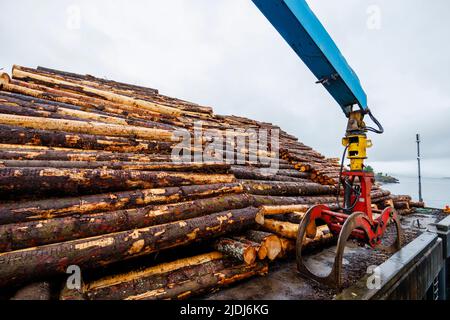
(334, 277)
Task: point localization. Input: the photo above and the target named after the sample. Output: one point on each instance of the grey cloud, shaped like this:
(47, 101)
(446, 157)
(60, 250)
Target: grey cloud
(225, 54)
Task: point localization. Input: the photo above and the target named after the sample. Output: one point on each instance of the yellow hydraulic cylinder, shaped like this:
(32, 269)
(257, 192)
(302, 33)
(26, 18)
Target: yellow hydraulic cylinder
(357, 150)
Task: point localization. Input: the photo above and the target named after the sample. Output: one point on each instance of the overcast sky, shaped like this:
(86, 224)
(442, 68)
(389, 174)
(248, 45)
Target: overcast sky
(225, 54)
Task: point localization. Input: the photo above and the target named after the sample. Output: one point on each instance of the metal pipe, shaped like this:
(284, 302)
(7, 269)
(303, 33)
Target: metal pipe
(418, 163)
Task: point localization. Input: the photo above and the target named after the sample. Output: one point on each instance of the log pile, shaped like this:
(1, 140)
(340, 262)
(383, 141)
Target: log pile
(404, 204)
(91, 175)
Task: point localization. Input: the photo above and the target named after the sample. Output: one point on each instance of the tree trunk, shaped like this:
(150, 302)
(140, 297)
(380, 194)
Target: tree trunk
(117, 165)
(287, 188)
(120, 282)
(180, 283)
(206, 283)
(20, 152)
(61, 207)
(275, 201)
(38, 233)
(40, 262)
(87, 127)
(37, 137)
(42, 181)
(107, 95)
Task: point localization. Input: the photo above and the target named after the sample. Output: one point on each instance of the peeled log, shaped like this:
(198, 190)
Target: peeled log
(270, 241)
(236, 249)
(61, 207)
(40, 262)
(278, 188)
(19, 181)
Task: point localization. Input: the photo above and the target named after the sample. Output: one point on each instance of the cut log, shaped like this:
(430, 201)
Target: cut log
(113, 97)
(204, 284)
(61, 207)
(117, 165)
(13, 106)
(249, 173)
(22, 152)
(274, 210)
(40, 262)
(87, 127)
(287, 188)
(270, 241)
(414, 204)
(260, 250)
(37, 137)
(183, 280)
(236, 249)
(276, 201)
(281, 228)
(401, 205)
(323, 238)
(20, 181)
(37, 233)
(292, 217)
(34, 291)
(159, 269)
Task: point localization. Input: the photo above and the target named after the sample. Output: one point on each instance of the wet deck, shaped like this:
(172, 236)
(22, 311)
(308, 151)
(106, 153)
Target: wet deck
(284, 283)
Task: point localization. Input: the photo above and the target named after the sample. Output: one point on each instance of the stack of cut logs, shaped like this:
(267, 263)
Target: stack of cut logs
(87, 178)
(404, 204)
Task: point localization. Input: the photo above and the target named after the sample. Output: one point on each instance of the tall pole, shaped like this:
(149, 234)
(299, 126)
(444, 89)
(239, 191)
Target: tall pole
(418, 164)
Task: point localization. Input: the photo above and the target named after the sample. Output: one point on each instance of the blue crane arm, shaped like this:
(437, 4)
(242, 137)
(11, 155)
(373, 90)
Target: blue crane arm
(302, 30)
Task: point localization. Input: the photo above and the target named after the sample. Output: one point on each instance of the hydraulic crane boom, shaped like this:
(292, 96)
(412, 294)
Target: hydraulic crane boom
(301, 29)
(355, 219)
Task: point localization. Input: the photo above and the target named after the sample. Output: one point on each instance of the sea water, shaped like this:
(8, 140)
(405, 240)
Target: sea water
(435, 191)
